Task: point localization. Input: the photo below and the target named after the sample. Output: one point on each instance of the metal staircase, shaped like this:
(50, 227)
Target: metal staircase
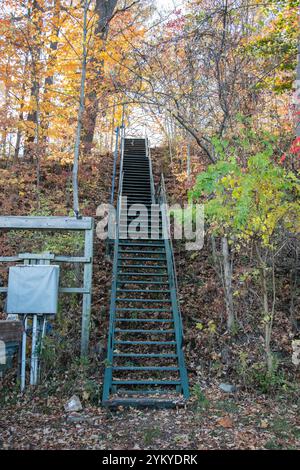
(145, 362)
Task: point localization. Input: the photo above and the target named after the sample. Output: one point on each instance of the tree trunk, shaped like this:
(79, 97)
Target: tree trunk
(80, 111)
(32, 117)
(104, 10)
(49, 80)
(268, 313)
(297, 91)
(188, 163)
(21, 114)
(266, 318)
(227, 273)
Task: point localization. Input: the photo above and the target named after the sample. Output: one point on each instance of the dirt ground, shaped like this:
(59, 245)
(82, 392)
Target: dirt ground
(216, 421)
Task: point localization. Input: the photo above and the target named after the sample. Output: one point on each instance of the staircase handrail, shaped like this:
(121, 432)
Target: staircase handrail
(148, 153)
(161, 198)
(108, 369)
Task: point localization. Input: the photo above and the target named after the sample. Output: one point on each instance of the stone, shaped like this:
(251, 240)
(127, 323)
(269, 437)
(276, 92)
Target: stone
(227, 388)
(74, 404)
(78, 418)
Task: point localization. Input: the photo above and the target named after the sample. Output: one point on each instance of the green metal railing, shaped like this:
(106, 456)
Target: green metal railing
(148, 153)
(161, 199)
(112, 309)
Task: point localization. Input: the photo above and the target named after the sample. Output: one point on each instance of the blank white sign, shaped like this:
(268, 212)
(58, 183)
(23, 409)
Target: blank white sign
(33, 289)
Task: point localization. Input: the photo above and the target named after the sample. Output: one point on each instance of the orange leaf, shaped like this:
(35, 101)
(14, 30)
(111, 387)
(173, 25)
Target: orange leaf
(225, 422)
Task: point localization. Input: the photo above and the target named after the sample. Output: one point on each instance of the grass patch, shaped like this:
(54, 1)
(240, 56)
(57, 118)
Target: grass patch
(150, 434)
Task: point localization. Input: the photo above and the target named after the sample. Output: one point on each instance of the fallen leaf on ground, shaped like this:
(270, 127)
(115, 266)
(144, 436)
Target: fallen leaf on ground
(225, 422)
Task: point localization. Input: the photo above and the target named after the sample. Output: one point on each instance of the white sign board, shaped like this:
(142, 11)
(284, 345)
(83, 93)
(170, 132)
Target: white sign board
(33, 289)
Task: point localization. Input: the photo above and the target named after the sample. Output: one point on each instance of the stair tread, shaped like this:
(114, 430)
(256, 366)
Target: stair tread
(137, 368)
(160, 266)
(133, 309)
(156, 332)
(149, 301)
(149, 355)
(167, 343)
(142, 251)
(143, 282)
(142, 274)
(140, 258)
(151, 291)
(146, 382)
(144, 320)
(140, 244)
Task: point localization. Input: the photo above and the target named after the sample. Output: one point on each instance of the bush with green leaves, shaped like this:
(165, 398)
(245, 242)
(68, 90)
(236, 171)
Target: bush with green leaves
(252, 204)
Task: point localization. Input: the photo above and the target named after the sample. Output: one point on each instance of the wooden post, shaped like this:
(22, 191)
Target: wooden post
(87, 297)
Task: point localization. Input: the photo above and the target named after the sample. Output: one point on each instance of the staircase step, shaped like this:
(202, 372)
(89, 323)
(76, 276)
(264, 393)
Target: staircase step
(147, 356)
(146, 382)
(154, 252)
(143, 282)
(143, 320)
(160, 266)
(131, 173)
(130, 193)
(140, 258)
(149, 301)
(140, 244)
(125, 309)
(134, 157)
(142, 368)
(150, 207)
(151, 291)
(143, 343)
(150, 332)
(134, 191)
(142, 274)
(142, 177)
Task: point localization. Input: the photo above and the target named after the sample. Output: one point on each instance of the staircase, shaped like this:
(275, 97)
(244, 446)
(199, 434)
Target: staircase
(145, 363)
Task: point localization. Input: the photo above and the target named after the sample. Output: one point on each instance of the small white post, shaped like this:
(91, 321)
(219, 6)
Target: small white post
(33, 351)
(23, 357)
(42, 335)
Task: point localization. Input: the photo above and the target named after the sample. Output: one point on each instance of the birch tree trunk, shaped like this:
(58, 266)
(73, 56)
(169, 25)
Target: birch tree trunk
(80, 111)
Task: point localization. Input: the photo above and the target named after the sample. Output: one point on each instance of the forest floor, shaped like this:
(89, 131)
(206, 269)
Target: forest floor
(256, 416)
(244, 421)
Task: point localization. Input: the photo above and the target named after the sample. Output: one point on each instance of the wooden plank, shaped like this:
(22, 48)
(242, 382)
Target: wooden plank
(62, 290)
(60, 259)
(39, 256)
(45, 223)
(9, 259)
(10, 330)
(73, 259)
(87, 298)
(53, 257)
(74, 290)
